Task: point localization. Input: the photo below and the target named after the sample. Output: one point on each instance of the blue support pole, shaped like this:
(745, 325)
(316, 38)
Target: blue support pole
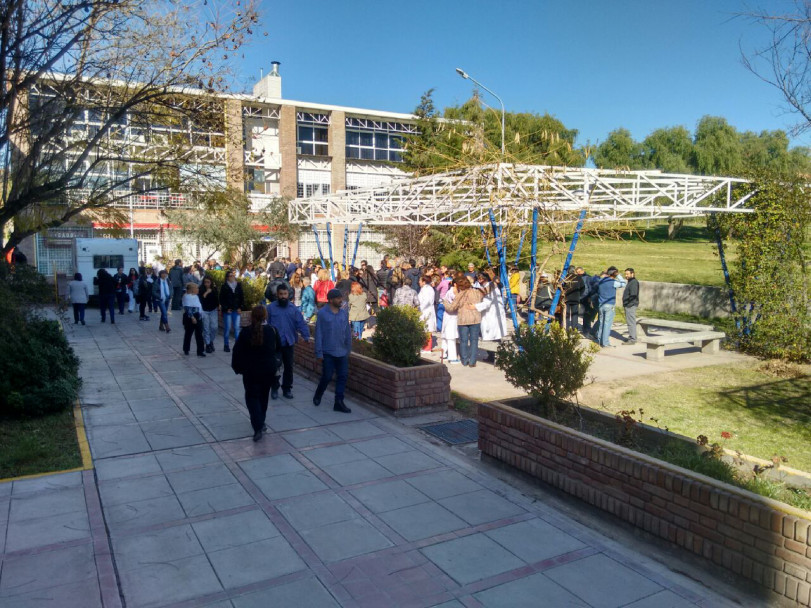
(486, 248)
(533, 264)
(329, 244)
(318, 244)
(520, 247)
(505, 281)
(719, 241)
(357, 242)
(346, 248)
(565, 269)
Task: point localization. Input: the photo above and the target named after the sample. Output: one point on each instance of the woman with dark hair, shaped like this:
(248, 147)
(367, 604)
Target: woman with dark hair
(132, 286)
(192, 319)
(232, 301)
(106, 285)
(254, 357)
(78, 297)
(144, 292)
(468, 319)
(210, 301)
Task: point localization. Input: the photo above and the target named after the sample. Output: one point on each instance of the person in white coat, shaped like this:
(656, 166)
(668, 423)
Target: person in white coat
(494, 317)
(79, 296)
(450, 329)
(426, 296)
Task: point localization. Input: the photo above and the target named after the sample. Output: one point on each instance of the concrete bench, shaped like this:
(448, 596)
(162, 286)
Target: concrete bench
(708, 341)
(645, 323)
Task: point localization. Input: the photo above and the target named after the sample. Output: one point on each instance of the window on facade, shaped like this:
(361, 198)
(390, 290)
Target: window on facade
(313, 134)
(371, 140)
(308, 190)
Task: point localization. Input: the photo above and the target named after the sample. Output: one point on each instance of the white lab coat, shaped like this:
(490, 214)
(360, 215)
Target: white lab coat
(427, 312)
(494, 317)
(450, 322)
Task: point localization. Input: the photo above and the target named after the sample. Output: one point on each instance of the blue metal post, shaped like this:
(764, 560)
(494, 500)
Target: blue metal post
(346, 246)
(318, 244)
(520, 247)
(357, 242)
(719, 241)
(563, 272)
(486, 248)
(505, 281)
(533, 264)
(329, 244)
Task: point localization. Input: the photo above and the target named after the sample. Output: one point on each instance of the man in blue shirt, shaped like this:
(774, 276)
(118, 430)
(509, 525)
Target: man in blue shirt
(333, 343)
(288, 320)
(607, 287)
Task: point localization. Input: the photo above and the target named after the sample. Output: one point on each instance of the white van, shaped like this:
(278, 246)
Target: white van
(110, 254)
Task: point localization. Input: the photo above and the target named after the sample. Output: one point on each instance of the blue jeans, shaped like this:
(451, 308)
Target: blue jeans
(106, 303)
(606, 320)
(163, 306)
(440, 314)
(468, 343)
(78, 312)
(229, 319)
(357, 329)
(333, 365)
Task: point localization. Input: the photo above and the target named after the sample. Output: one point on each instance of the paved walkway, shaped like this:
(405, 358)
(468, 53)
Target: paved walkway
(184, 510)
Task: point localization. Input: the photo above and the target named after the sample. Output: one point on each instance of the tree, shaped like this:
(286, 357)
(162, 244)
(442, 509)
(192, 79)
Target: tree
(620, 151)
(717, 147)
(669, 149)
(102, 96)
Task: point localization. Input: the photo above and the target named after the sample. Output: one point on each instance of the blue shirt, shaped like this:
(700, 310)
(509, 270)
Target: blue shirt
(607, 289)
(287, 320)
(332, 333)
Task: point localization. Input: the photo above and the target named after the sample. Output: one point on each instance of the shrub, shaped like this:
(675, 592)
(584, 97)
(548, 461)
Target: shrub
(217, 277)
(399, 336)
(254, 291)
(549, 365)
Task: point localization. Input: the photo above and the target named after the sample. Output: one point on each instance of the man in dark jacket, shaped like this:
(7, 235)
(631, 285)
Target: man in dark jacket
(288, 321)
(630, 302)
(106, 286)
(176, 280)
(383, 277)
(120, 288)
(232, 302)
(277, 269)
(574, 288)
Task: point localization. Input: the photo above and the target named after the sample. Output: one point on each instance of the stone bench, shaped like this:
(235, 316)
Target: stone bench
(646, 323)
(708, 341)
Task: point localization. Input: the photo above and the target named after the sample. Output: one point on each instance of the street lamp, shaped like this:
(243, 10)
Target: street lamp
(467, 76)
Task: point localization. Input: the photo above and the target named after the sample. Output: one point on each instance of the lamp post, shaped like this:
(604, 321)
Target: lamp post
(467, 76)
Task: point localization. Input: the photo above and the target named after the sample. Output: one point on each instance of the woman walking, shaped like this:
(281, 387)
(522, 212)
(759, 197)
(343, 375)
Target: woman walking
(210, 301)
(144, 293)
(254, 358)
(232, 301)
(192, 319)
(162, 295)
(322, 287)
(468, 318)
(358, 315)
(106, 286)
(132, 287)
(79, 297)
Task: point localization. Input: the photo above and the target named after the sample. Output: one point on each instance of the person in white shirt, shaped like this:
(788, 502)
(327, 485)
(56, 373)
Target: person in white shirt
(426, 297)
(192, 319)
(79, 296)
(494, 317)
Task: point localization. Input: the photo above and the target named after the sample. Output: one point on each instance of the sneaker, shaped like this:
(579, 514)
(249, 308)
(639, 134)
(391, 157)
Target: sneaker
(212, 347)
(316, 400)
(287, 394)
(226, 348)
(454, 361)
(257, 435)
(340, 407)
(201, 354)
(630, 342)
(274, 393)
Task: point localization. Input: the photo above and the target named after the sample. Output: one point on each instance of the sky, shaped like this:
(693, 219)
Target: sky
(596, 65)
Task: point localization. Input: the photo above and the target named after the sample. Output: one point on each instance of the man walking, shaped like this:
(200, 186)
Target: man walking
(607, 287)
(288, 320)
(333, 342)
(630, 302)
(176, 280)
(120, 285)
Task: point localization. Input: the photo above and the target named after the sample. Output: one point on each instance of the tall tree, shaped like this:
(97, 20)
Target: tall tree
(620, 151)
(717, 147)
(98, 96)
(669, 149)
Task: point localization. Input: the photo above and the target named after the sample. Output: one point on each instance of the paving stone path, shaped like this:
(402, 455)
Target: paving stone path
(184, 510)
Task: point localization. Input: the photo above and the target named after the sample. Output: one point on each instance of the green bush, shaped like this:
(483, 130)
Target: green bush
(549, 365)
(399, 336)
(254, 291)
(217, 277)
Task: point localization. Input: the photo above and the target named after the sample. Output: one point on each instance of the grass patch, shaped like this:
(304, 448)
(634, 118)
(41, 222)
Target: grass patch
(766, 415)
(38, 445)
(466, 406)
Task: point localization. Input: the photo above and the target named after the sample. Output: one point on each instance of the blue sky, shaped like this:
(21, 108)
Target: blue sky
(595, 65)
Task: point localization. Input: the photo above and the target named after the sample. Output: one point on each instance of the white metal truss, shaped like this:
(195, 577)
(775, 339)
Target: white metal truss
(314, 118)
(266, 112)
(371, 124)
(465, 197)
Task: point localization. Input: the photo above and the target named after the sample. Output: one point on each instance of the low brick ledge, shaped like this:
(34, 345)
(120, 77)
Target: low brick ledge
(761, 539)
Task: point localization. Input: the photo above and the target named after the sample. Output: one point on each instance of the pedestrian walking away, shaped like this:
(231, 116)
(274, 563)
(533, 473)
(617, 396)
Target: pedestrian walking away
(79, 296)
(106, 286)
(176, 280)
(192, 319)
(288, 322)
(254, 358)
(232, 301)
(120, 288)
(144, 293)
(210, 300)
(630, 302)
(333, 343)
(162, 295)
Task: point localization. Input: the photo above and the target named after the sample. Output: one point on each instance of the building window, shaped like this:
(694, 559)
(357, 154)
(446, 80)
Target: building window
(313, 134)
(374, 140)
(308, 190)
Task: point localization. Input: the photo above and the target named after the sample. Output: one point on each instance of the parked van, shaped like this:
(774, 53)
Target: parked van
(110, 254)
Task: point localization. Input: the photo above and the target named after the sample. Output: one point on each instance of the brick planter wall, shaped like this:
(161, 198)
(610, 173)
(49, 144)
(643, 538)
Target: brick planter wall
(407, 391)
(758, 538)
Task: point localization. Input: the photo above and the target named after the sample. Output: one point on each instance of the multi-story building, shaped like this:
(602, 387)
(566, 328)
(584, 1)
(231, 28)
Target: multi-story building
(271, 147)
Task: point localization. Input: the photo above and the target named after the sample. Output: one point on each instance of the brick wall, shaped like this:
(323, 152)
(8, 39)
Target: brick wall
(407, 391)
(757, 538)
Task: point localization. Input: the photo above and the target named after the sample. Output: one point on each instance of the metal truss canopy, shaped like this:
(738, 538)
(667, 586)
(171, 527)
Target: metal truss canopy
(465, 197)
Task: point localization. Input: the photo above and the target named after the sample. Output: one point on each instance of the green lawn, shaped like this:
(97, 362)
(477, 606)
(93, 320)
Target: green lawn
(767, 415)
(38, 445)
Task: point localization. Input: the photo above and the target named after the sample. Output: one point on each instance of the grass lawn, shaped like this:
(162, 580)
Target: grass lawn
(38, 445)
(767, 415)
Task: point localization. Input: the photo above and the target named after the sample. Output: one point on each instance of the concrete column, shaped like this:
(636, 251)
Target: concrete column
(288, 174)
(337, 152)
(234, 147)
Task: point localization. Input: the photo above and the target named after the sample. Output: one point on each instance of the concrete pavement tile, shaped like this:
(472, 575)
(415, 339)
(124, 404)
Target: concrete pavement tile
(181, 458)
(337, 454)
(210, 500)
(26, 573)
(307, 592)
(610, 583)
(408, 462)
(43, 531)
(356, 430)
(313, 511)
(269, 466)
(292, 484)
(480, 507)
(127, 466)
(254, 562)
(422, 521)
(196, 479)
(443, 484)
(383, 446)
(108, 441)
(451, 604)
(534, 540)
(169, 582)
(48, 482)
(663, 599)
(526, 593)
(472, 558)
(306, 439)
(144, 513)
(228, 432)
(160, 546)
(175, 433)
(120, 491)
(345, 539)
(234, 530)
(148, 392)
(157, 413)
(5, 489)
(290, 422)
(43, 504)
(350, 473)
(388, 496)
(77, 594)
(105, 417)
(208, 404)
(150, 403)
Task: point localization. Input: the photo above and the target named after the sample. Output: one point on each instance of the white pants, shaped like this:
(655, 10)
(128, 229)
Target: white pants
(131, 303)
(449, 349)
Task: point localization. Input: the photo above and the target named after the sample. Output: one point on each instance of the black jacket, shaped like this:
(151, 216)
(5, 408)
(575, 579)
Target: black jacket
(273, 285)
(630, 297)
(574, 289)
(211, 301)
(256, 362)
(384, 278)
(231, 299)
(106, 284)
